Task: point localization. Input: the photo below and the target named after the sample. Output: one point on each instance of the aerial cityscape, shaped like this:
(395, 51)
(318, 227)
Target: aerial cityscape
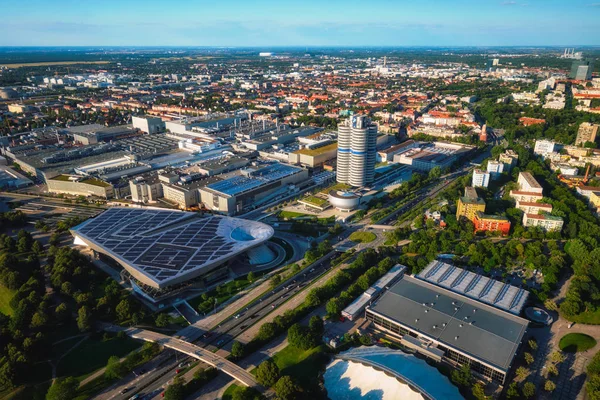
(328, 200)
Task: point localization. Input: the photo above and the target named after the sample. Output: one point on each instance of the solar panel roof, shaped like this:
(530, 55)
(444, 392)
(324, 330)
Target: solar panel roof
(164, 247)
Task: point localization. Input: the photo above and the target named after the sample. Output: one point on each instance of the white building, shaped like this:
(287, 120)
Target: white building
(480, 178)
(529, 207)
(357, 151)
(148, 124)
(527, 183)
(545, 221)
(543, 147)
(495, 168)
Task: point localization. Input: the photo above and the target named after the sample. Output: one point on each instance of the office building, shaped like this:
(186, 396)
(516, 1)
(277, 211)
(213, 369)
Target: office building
(587, 133)
(146, 189)
(469, 204)
(545, 221)
(357, 151)
(581, 70)
(480, 178)
(459, 326)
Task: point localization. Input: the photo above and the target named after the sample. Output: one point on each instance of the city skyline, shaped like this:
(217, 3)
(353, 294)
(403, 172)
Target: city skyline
(269, 23)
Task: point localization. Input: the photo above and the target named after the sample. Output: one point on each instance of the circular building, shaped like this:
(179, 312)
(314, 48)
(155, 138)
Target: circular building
(344, 201)
(384, 374)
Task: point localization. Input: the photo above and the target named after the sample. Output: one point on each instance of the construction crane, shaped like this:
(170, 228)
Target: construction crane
(576, 180)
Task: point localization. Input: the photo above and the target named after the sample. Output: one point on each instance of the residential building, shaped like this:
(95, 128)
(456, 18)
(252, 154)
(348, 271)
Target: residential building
(509, 159)
(356, 153)
(480, 178)
(545, 221)
(495, 168)
(491, 223)
(531, 197)
(469, 204)
(544, 147)
(527, 183)
(529, 207)
(587, 133)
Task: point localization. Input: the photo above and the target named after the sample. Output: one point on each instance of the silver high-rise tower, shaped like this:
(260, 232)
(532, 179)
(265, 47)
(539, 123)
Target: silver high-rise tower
(357, 148)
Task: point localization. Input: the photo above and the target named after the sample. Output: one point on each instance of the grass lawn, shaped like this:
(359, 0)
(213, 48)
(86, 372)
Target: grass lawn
(5, 296)
(576, 342)
(93, 354)
(317, 201)
(363, 237)
(291, 214)
(303, 365)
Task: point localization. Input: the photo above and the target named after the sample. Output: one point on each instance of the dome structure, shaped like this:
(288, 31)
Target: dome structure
(344, 201)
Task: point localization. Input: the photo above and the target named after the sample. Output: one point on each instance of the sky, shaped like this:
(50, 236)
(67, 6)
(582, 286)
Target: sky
(299, 23)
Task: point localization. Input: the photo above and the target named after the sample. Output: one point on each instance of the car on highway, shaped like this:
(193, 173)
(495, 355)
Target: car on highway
(207, 335)
(125, 390)
(220, 342)
(272, 305)
(135, 396)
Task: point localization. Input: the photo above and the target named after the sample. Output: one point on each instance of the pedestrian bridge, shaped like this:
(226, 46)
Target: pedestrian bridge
(206, 356)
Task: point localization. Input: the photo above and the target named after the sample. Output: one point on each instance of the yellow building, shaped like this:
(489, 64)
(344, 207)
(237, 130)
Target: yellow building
(468, 205)
(595, 200)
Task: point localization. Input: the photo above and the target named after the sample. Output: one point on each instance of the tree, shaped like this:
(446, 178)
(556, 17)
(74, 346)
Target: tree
(286, 388)
(528, 358)
(123, 310)
(462, 376)
(315, 325)
(162, 320)
(245, 393)
(84, 319)
(37, 248)
(532, 344)
(114, 368)
(176, 390)
(479, 393)
(63, 389)
(552, 370)
(528, 390)
(549, 386)
(435, 173)
(237, 349)
(513, 391)
(267, 373)
(334, 306)
(522, 373)
(266, 331)
(275, 280)
(251, 277)
(557, 357)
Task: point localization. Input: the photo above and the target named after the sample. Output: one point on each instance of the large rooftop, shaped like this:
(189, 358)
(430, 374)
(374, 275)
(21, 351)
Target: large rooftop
(165, 247)
(474, 328)
(254, 179)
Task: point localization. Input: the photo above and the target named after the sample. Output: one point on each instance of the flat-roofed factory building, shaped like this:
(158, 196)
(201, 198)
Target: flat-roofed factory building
(238, 193)
(455, 315)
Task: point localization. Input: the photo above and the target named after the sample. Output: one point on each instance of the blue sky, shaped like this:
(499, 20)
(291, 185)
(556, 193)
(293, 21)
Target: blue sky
(299, 23)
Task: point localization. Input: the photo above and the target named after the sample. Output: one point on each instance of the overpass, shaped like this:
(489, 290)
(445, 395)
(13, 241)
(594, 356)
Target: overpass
(206, 356)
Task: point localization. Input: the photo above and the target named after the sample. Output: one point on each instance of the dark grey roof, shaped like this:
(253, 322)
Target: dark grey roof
(474, 328)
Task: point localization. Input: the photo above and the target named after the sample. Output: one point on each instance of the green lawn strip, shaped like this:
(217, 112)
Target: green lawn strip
(5, 296)
(302, 365)
(59, 349)
(93, 354)
(228, 394)
(363, 237)
(576, 342)
(292, 214)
